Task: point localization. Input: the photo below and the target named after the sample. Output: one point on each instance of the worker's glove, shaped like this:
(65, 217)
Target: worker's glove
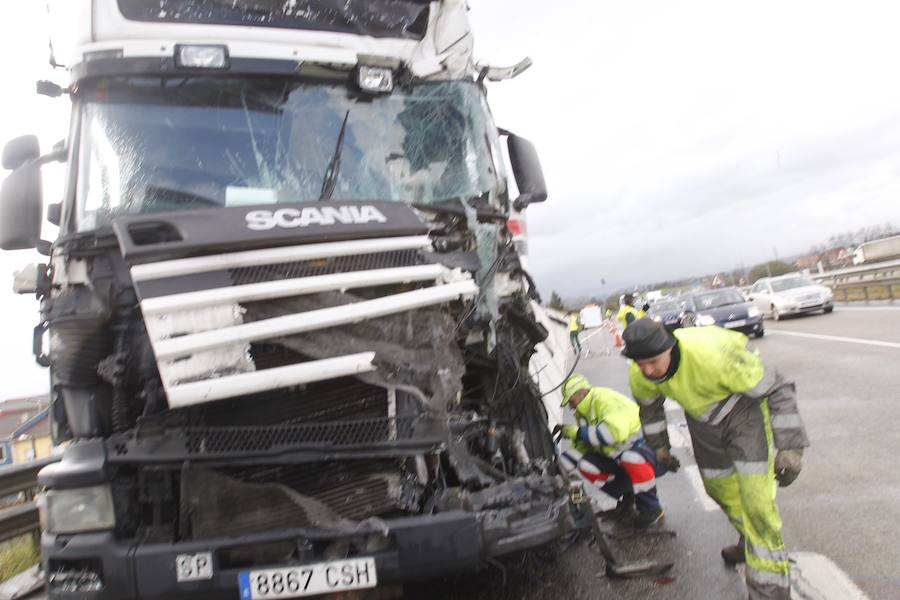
(788, 462)
(566, 431)
(665, 462)
(570, 432)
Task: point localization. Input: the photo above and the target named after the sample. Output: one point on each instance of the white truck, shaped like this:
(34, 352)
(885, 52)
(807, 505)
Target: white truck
(289, 331)
(877, 250)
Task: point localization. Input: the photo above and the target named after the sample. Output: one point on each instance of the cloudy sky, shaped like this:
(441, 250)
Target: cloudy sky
(681, 138)
(676, 137)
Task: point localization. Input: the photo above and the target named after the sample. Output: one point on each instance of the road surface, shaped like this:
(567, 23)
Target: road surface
(842, 516)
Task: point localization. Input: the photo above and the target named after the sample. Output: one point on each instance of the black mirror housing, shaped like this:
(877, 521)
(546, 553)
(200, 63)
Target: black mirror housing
(20, 150)
(21, 208)
(527, 171)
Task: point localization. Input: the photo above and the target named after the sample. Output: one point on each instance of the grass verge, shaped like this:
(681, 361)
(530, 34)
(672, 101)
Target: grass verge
(17, 555)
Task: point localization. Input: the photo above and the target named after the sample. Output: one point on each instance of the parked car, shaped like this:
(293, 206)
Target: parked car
(791, 294)
(725, 307)
(667, 311)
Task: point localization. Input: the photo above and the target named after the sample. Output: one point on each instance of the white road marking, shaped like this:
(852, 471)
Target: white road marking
(678, 438)
(835, 338)
(816, 577)
(693, 475)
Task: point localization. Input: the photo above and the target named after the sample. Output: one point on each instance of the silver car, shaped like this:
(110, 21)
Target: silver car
(790, 294)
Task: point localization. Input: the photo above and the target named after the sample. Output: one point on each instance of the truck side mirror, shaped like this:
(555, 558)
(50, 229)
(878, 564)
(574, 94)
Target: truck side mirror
(527, 171)
(21, 207)
(20, 150)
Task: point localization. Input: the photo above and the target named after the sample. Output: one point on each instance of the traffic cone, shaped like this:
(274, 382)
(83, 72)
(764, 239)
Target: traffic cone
(619, 343)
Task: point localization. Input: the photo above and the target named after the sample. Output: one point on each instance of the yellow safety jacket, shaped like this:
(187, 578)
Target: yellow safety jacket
(608, 422)
(714, 365)
(573, 323)
(626, 310)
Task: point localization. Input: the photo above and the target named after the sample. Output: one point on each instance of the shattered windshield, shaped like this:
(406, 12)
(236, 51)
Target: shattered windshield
(152, 145)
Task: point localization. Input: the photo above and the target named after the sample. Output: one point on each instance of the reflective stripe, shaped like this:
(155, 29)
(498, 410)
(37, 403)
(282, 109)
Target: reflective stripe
(752, 468)
(592, 438)
(719, 410)
(655, 427)
(717, 473)
(648, 401)
(790, 421)
(630, 456)
(781, 580)
(763, 553)
(646, 486)
(588, 467)
(606, 435)
(570, 459)
(768, 380)
(727, 408)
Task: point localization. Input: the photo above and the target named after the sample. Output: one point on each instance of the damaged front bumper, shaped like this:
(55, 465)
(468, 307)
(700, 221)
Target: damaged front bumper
(404, 549)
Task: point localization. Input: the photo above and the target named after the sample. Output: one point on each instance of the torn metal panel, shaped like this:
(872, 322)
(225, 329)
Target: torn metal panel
(222, 506)
(415, 348)
(229, 386)
(313, 320)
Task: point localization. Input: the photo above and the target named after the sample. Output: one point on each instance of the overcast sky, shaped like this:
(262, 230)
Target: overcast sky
(677, 138)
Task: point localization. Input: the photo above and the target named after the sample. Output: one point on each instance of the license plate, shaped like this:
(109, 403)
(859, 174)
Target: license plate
(733, 324)
(308, 580)
(194, 567)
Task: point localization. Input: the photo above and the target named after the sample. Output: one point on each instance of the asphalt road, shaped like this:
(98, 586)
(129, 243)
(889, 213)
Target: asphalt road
(841, 515)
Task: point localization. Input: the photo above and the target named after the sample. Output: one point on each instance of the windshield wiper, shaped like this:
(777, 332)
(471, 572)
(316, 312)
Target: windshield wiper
(334, 166)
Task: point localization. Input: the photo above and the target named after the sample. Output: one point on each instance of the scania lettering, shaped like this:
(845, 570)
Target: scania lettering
(292, 344)
(260, 220)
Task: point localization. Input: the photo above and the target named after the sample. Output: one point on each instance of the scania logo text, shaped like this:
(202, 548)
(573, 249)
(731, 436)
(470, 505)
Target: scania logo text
(261, 220)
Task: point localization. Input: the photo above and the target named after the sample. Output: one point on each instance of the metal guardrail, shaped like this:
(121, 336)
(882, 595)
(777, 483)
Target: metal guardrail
(20, 516)
(883, 275)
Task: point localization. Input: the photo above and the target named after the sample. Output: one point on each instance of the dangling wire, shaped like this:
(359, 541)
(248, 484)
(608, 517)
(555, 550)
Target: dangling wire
(569, 374)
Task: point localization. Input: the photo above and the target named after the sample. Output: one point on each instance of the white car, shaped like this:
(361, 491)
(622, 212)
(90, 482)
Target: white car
(790, 294)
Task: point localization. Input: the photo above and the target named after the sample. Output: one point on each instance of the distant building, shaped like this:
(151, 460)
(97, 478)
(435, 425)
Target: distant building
(24, 429)
(807, 262)
(835, 258)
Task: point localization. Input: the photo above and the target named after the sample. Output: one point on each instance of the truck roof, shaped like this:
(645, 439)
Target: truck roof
(432, 39)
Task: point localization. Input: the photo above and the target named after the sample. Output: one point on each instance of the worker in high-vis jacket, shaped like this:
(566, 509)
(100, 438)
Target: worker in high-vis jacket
(574, 330)
(737, 410)
(609, 450)
(628, 314)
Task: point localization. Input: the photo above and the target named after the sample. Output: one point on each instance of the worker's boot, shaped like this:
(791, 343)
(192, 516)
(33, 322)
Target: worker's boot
(622, 513)
(648, 518)
(733, 555)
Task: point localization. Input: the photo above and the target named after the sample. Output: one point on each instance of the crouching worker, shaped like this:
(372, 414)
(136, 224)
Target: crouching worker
(609, 450)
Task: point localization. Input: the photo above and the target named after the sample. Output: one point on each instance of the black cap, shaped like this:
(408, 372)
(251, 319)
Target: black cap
(628, 299)
(645, 338)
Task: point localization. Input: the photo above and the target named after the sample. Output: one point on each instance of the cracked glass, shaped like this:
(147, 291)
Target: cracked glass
(150, 145)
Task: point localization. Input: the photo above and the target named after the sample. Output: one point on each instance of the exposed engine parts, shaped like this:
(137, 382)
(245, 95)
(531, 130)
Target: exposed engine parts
(447, 418)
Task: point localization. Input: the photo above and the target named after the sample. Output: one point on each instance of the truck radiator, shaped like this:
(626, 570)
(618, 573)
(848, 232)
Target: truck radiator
(329, 494)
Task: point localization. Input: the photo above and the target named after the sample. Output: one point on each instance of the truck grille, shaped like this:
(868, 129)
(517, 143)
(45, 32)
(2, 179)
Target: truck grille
(330, 494)
(327, 266)
(229, 440)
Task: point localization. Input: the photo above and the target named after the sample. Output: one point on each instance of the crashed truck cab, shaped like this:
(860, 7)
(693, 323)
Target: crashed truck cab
(287, 328)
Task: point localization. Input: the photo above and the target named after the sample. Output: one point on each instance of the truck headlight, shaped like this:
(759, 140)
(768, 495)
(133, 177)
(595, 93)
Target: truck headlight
(201, 57)
(375, 80)
(80, 509)
(704, 320)
(753, 312)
